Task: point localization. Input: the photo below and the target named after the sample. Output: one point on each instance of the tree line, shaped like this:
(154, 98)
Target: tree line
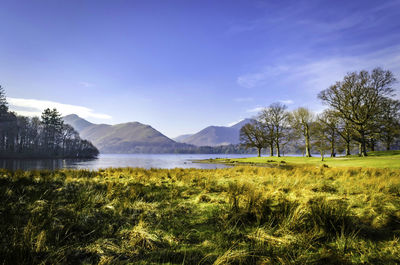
(361, 110)
(44, 137)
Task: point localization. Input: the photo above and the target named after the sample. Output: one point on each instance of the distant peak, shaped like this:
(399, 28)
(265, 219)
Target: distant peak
(235, 122)
(77, 122)
(241, 123)
(72, 116)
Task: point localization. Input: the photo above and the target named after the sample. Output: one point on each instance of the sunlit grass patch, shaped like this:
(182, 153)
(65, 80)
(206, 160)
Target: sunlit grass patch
(377, 159)
(241, 215)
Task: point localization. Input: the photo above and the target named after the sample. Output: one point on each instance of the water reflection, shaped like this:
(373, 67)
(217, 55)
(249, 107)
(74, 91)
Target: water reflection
(31, 164)
(118, 160)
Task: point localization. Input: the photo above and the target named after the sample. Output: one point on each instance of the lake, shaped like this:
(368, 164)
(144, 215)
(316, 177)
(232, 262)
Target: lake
(120, 160)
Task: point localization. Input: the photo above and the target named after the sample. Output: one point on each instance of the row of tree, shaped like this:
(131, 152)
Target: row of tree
(43, 137)
(361, 110)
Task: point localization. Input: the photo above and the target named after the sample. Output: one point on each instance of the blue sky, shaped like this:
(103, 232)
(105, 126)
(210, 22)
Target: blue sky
(183, 65)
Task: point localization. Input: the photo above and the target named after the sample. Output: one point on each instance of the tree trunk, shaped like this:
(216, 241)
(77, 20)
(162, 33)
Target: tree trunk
(364, 149)
(271, 149)
(388, 144)
(322, 156)
(2, 143)
(347, 148)
(372, 144)
(363, 145)
(333, 149)
(362, 141)
(307, 135)
(259, 151)
(278, 150)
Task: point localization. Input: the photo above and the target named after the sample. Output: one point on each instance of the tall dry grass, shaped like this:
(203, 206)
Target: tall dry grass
(242, 215)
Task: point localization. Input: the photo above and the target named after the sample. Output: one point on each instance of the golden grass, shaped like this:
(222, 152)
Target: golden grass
(241, 215)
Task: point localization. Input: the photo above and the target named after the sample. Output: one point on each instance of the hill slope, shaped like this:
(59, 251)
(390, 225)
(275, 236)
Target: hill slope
(77, 122)
(131, 137)
(181, 138)
(215, 135)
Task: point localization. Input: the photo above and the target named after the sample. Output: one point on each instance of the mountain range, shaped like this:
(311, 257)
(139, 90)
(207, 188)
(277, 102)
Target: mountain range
(135, 137)
(214, 135)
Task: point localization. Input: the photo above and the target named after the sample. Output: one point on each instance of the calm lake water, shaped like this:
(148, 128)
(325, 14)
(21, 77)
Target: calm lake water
(119, 160)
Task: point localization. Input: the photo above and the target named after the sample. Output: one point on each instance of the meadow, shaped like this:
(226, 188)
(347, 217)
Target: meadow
(377, 159)
(239, 215)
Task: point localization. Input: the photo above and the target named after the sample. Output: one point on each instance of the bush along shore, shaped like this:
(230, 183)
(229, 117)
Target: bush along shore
(240, 215)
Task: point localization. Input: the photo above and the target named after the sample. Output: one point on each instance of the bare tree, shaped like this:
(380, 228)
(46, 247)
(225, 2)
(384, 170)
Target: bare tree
(253, 135)
(329, 121)
(265, 119)
(357, 99)
(275, 120)
(301, 121)
(389, 122)
(345, 131)
(321, 135)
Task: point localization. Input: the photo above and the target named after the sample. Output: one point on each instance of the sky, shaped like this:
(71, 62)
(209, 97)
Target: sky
(181, 66)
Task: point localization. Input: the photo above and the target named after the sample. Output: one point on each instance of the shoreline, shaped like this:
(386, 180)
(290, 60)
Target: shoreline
(378, 159)
(233, 162)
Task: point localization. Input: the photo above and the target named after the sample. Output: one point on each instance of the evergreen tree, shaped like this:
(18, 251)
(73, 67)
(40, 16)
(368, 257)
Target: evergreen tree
(46, 137)
(3, 101)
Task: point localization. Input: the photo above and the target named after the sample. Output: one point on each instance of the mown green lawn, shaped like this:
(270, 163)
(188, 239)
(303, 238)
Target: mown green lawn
(381, 159)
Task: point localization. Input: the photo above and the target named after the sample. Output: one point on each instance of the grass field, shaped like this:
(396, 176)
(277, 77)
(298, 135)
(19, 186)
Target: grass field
(240, 215)
(387, 159)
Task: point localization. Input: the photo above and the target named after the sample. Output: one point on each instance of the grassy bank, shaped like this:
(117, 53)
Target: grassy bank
(241, 215)
(382, 159)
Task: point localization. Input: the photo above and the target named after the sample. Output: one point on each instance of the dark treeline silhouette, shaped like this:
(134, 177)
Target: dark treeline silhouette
(45, 137)
(361, 110)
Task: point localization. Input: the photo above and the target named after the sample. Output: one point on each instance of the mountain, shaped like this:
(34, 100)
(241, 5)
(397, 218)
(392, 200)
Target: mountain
(131, 137)
(77, 122)
(241, 123)
(135, 137)
(181, 138)
(215, 135)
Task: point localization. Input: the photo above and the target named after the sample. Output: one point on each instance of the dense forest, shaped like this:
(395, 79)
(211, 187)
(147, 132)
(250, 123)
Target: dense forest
(45, 137)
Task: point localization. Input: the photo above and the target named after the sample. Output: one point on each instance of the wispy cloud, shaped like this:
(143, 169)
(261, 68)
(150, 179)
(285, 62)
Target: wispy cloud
(299, 15)
(324, 27)
(255, 109)
(268, 19)
(248, 99)
(86, 84)
(321, 73)
(310, 68)
(254, 79)
(34, 107)
(286, 101)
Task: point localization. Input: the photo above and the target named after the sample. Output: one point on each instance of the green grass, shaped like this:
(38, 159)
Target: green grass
(382, 159)
(240, 215)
